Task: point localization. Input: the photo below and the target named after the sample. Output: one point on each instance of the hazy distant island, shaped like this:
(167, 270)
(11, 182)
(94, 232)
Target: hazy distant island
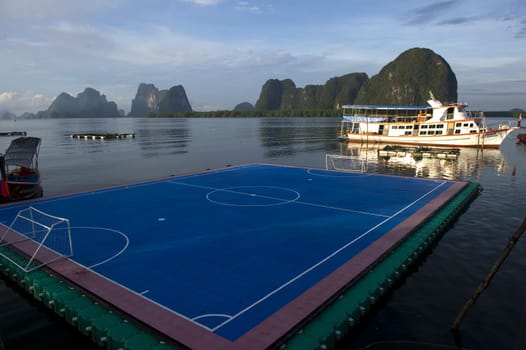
(406, 80)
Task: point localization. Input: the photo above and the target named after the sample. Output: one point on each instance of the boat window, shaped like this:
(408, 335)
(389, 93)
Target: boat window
(409, 127)
(431, 132)
(457, 131)
(458, 125)
(408, 132)
(438, 132)
(466, 125)
(450, 113)
(394, 127)
(440, 126)
(424, 127)
(432, 126)
(470, 125)
(423, 132)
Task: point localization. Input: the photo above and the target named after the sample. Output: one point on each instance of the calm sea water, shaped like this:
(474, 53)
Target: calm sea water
(416, 315)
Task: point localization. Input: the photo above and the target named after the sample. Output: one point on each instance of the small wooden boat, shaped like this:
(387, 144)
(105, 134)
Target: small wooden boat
(19, 170)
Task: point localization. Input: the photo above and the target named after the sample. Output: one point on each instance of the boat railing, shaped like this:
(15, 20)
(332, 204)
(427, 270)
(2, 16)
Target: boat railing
(390, 113)
(480, 120)
(501, 125)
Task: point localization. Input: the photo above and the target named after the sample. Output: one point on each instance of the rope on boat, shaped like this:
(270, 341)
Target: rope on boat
(485, 283)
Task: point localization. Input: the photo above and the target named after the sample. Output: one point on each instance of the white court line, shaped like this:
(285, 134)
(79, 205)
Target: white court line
(250, 194)
(285, 201)
(116, 188)
(325, 259)
(343, 209)
(84, 194)
(332, 173)
(126, 239)
(211, 315)
(279, 201)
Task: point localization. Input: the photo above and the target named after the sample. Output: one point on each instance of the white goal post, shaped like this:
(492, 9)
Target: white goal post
(345, 163)
(44, 238)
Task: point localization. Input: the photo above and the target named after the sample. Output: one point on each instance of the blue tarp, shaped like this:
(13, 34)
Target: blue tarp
(395, 108)
(363, 119)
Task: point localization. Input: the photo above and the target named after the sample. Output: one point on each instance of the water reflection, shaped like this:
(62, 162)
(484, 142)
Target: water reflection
(467, 165)
(152, 137)
(165, 137)
(289, 136)
(59, 138)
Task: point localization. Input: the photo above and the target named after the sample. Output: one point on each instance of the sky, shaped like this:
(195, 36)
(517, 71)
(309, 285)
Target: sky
(223, 51)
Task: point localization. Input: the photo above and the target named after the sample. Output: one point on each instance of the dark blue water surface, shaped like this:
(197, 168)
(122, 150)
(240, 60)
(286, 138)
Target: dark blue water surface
(416, 315)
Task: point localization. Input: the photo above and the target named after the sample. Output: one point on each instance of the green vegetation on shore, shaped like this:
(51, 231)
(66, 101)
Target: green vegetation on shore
(251, 114)
(293, 113)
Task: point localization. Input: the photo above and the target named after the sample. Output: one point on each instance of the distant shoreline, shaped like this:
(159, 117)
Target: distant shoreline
(332, 113)
(250, 114)
(322, 113)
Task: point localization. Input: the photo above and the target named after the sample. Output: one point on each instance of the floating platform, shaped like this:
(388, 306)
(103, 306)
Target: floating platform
(250, 257)
(13, 133)
(419, 152)
(102, 136)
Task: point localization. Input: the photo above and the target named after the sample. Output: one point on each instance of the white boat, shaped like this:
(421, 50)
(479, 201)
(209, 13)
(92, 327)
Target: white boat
(434, 125)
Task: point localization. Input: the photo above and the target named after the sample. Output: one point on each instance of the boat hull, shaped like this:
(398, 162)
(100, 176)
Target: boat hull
(490, 139)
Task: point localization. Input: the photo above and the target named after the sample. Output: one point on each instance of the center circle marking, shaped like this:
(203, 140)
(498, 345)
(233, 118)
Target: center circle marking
(252, 196)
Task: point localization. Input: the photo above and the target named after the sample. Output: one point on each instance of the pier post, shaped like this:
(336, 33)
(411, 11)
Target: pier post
(485, 283)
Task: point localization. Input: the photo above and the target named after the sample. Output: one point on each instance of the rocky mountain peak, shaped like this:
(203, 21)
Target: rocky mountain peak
(149, 99)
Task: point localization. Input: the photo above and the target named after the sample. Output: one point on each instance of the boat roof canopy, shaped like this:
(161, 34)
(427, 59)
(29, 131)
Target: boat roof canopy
(23, 151)
(385, 107)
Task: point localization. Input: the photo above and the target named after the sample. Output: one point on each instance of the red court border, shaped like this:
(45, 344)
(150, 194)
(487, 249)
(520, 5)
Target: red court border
(272, 330)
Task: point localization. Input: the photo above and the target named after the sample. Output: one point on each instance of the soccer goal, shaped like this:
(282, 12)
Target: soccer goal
(345, 163)
(41, 237)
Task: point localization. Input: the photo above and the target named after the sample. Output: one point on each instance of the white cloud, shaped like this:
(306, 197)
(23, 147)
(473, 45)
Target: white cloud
(20, 102)
(45, 10)
(245, 6)
(161, 45)
(7, 96)
(204, 2)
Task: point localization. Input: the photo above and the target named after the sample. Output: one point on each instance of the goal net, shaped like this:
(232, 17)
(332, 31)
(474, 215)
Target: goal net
(345, 163)
(41, 237)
